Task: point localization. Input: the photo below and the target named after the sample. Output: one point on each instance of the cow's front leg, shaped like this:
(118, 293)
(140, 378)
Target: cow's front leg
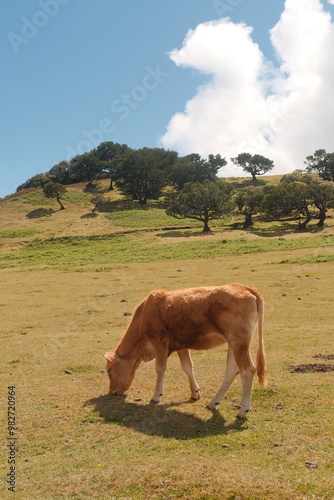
(188, 368)
(160, 366)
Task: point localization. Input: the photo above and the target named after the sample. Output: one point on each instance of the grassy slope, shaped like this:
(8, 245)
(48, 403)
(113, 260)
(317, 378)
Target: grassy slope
(77, 443)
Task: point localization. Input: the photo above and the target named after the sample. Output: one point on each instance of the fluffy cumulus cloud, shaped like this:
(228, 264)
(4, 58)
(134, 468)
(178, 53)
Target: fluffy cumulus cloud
(283, 111)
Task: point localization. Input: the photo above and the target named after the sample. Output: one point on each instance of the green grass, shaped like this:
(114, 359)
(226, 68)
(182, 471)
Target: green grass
(81, 369)
(313, 259)
(77, 251)
(150, 217)
(18, 233)
(77, 197)
(37, 198)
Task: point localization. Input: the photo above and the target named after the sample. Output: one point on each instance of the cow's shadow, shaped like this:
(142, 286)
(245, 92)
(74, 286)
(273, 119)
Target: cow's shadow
(163, 420)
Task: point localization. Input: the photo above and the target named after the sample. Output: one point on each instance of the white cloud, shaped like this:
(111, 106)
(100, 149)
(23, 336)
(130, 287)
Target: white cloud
(248, 105)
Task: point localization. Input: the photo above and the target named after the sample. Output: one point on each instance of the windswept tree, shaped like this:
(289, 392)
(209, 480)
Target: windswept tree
(300, 201)
(55, 190)
(253, 164)
(193, 168)
(204, 202)
(60, 173)
(287, 199)
(319, 194)
(85, 168)
(322, 196)
(248, 201)
(109, 153)
(142, 173)
(321, 162)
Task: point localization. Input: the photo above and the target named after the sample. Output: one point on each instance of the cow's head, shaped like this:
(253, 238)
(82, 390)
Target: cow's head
(121, 372)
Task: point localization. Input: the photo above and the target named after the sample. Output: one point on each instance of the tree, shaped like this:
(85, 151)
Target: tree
(322, 195)
(254, 165)
(201, 201)
(192, 168)
(300, 200)
(248, 200)
(55, 190)
(321, 162)
(98, 201)
(60, 173)
(319, 194)
(143, 173)
(108, 153)
(287, 199)
(276, 202)
(292, 197)
(85, 167)
(216, 161)
(296, 176)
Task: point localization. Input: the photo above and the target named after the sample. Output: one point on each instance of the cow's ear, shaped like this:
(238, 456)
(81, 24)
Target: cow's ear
(111, 356)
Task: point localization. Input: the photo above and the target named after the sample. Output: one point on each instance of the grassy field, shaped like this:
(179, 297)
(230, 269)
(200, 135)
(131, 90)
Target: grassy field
(68, 279)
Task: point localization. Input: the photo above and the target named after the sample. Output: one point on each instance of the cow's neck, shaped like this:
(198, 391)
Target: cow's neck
(131, 346)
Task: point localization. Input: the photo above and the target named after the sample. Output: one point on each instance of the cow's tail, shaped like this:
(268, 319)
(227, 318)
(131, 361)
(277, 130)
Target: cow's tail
(260, 355)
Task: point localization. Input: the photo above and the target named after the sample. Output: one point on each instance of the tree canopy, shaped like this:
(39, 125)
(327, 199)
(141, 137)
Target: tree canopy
(55, 190)
(298, 198)
(193, 168)
(248, 201)
(321, 162)
(85, 167)
(253, 164)
(109, 153)
(142, 174)
(201, 201)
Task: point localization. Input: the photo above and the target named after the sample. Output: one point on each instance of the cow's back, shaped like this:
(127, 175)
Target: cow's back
(197, 318)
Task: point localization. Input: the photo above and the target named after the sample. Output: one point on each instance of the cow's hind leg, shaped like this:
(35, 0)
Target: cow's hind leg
(247, 372)
(231, 372)
(188, 368)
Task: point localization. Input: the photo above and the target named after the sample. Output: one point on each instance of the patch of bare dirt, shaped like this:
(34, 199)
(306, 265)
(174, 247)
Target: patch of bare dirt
(315, 367)
(312, 368)
(326, 357)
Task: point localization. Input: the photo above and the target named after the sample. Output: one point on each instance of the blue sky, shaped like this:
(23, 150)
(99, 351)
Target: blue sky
(76, 73)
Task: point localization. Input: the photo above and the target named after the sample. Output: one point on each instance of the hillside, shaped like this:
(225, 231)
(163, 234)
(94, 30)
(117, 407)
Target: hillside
(128, 232)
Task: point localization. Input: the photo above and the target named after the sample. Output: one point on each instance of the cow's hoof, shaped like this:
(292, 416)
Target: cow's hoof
(212, 406)
(153, 402)
(196, 397)
(243, 416)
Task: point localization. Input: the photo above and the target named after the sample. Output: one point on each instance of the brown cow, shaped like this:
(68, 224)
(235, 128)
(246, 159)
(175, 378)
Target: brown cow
(193, 318)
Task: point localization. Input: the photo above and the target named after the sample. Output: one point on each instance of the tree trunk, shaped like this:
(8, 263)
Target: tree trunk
(206, 228)
(60, 203)
(322, 217)
(302, 225)
(111, 187)
(248, 220)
